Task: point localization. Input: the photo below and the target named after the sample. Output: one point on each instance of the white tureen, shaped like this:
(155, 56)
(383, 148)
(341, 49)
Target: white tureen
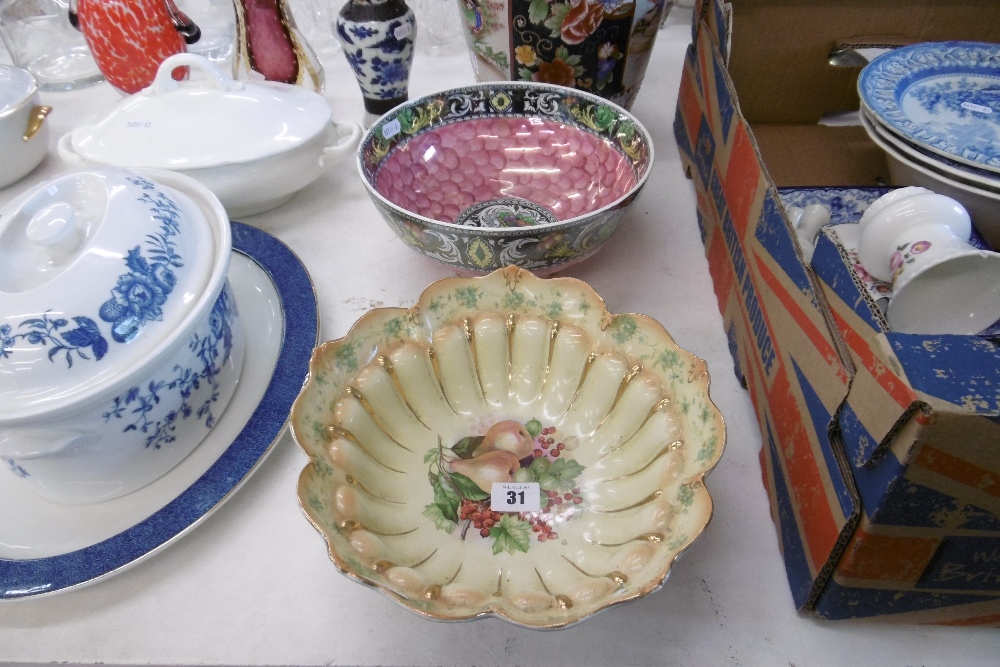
(252, 144)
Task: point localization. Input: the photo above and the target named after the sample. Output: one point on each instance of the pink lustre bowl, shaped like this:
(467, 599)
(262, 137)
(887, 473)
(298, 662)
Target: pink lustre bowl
(532, 175)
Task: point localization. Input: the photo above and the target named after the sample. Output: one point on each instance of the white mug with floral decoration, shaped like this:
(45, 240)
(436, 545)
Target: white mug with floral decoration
(918, 240)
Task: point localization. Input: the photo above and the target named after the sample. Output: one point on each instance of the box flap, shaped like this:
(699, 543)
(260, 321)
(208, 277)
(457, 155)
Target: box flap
(779, 58)
(809, 155)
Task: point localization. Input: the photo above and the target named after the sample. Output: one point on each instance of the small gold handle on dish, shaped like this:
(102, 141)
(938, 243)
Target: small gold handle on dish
(38, 114)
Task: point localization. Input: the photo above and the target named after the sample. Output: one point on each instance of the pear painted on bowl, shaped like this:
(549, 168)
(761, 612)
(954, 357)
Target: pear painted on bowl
(509, 436)
(487, 468)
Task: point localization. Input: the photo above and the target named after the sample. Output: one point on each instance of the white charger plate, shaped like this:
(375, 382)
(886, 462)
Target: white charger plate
(47, 547)
(936, 162)
(938, 182)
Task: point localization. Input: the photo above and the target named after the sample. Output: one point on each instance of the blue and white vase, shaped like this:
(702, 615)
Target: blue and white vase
(377, 37)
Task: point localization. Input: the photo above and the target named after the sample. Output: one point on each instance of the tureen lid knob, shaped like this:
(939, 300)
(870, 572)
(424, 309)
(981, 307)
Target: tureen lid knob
(53, 228)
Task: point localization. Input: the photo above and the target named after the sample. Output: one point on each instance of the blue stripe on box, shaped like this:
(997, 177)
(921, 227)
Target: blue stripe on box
(821, 417)
(724, 98)
(734, 351)
(976, 518)
(963, 370)
(704, 151)
(681, 136)
(889, 499)
(842, 602)
(964, 563)
(775, 235)
(834, 271)
(722, 26)
(858, 443)
(693, 57)
(792, 549)
(873, 482)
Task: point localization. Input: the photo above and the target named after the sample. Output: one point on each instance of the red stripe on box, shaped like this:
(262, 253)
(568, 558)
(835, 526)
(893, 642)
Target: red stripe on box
(961, 471)
(896, 388)
(690, 106)
(886, 557)
(806, 481)
(989, 619)
(820, 529)
(742, 178)
(723, 277)
(816, 337)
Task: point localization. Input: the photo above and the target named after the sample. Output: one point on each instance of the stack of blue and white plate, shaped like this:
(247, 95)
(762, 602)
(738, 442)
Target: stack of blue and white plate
(934, 108)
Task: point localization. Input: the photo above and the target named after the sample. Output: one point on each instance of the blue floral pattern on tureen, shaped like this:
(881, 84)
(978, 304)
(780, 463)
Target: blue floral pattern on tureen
(944, 96)
(136, 299)
(140, 408)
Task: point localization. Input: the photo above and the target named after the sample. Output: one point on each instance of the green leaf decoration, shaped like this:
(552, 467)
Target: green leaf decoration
(561, 475)
(534, 427)
(540, 466)
(562, 53)
(554, 22)
(523, 475)
(445, 498)
(538, 11)
(435, 513)
(549, 482)
(511, 534)
(405, 117)
(525, 73)
(606, 116)
(467, 488)
(623, 327)
(431, 456)
(466, 446)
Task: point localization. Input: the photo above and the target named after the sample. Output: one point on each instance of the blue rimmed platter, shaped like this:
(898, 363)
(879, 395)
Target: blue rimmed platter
(47, 547)
(944, 96)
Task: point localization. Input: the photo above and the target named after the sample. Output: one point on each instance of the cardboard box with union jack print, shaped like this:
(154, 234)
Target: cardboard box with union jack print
(881, 450)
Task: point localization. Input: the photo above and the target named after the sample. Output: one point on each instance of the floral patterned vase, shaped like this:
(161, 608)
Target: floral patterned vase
(377, 37)
(601, 46)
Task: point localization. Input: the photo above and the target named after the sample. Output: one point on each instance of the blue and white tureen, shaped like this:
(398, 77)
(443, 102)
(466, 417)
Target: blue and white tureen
(120, 344)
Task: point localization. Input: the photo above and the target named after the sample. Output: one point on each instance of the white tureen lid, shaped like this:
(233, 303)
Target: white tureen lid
(16, 86)
(205, 122)
(101, 269)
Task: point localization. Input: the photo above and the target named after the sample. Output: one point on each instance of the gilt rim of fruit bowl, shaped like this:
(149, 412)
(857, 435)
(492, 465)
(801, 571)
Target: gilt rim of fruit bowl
(563, 92)
(699, 377)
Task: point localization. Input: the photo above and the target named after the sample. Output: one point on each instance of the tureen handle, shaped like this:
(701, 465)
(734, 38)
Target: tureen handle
(164, 82)
(348, 137)
(24, 445)
(65, 148)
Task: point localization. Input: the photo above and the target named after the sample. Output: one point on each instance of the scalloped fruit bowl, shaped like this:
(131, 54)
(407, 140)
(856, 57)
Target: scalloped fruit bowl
(410, 419)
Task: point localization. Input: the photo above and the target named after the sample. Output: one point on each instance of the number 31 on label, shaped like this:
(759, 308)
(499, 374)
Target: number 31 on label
(515, 497)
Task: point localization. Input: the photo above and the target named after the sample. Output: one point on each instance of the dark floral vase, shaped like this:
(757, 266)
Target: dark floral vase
(600, 46)
(377, 37)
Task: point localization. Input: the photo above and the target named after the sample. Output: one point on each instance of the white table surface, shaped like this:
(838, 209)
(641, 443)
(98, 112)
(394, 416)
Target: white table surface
(253, 585)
